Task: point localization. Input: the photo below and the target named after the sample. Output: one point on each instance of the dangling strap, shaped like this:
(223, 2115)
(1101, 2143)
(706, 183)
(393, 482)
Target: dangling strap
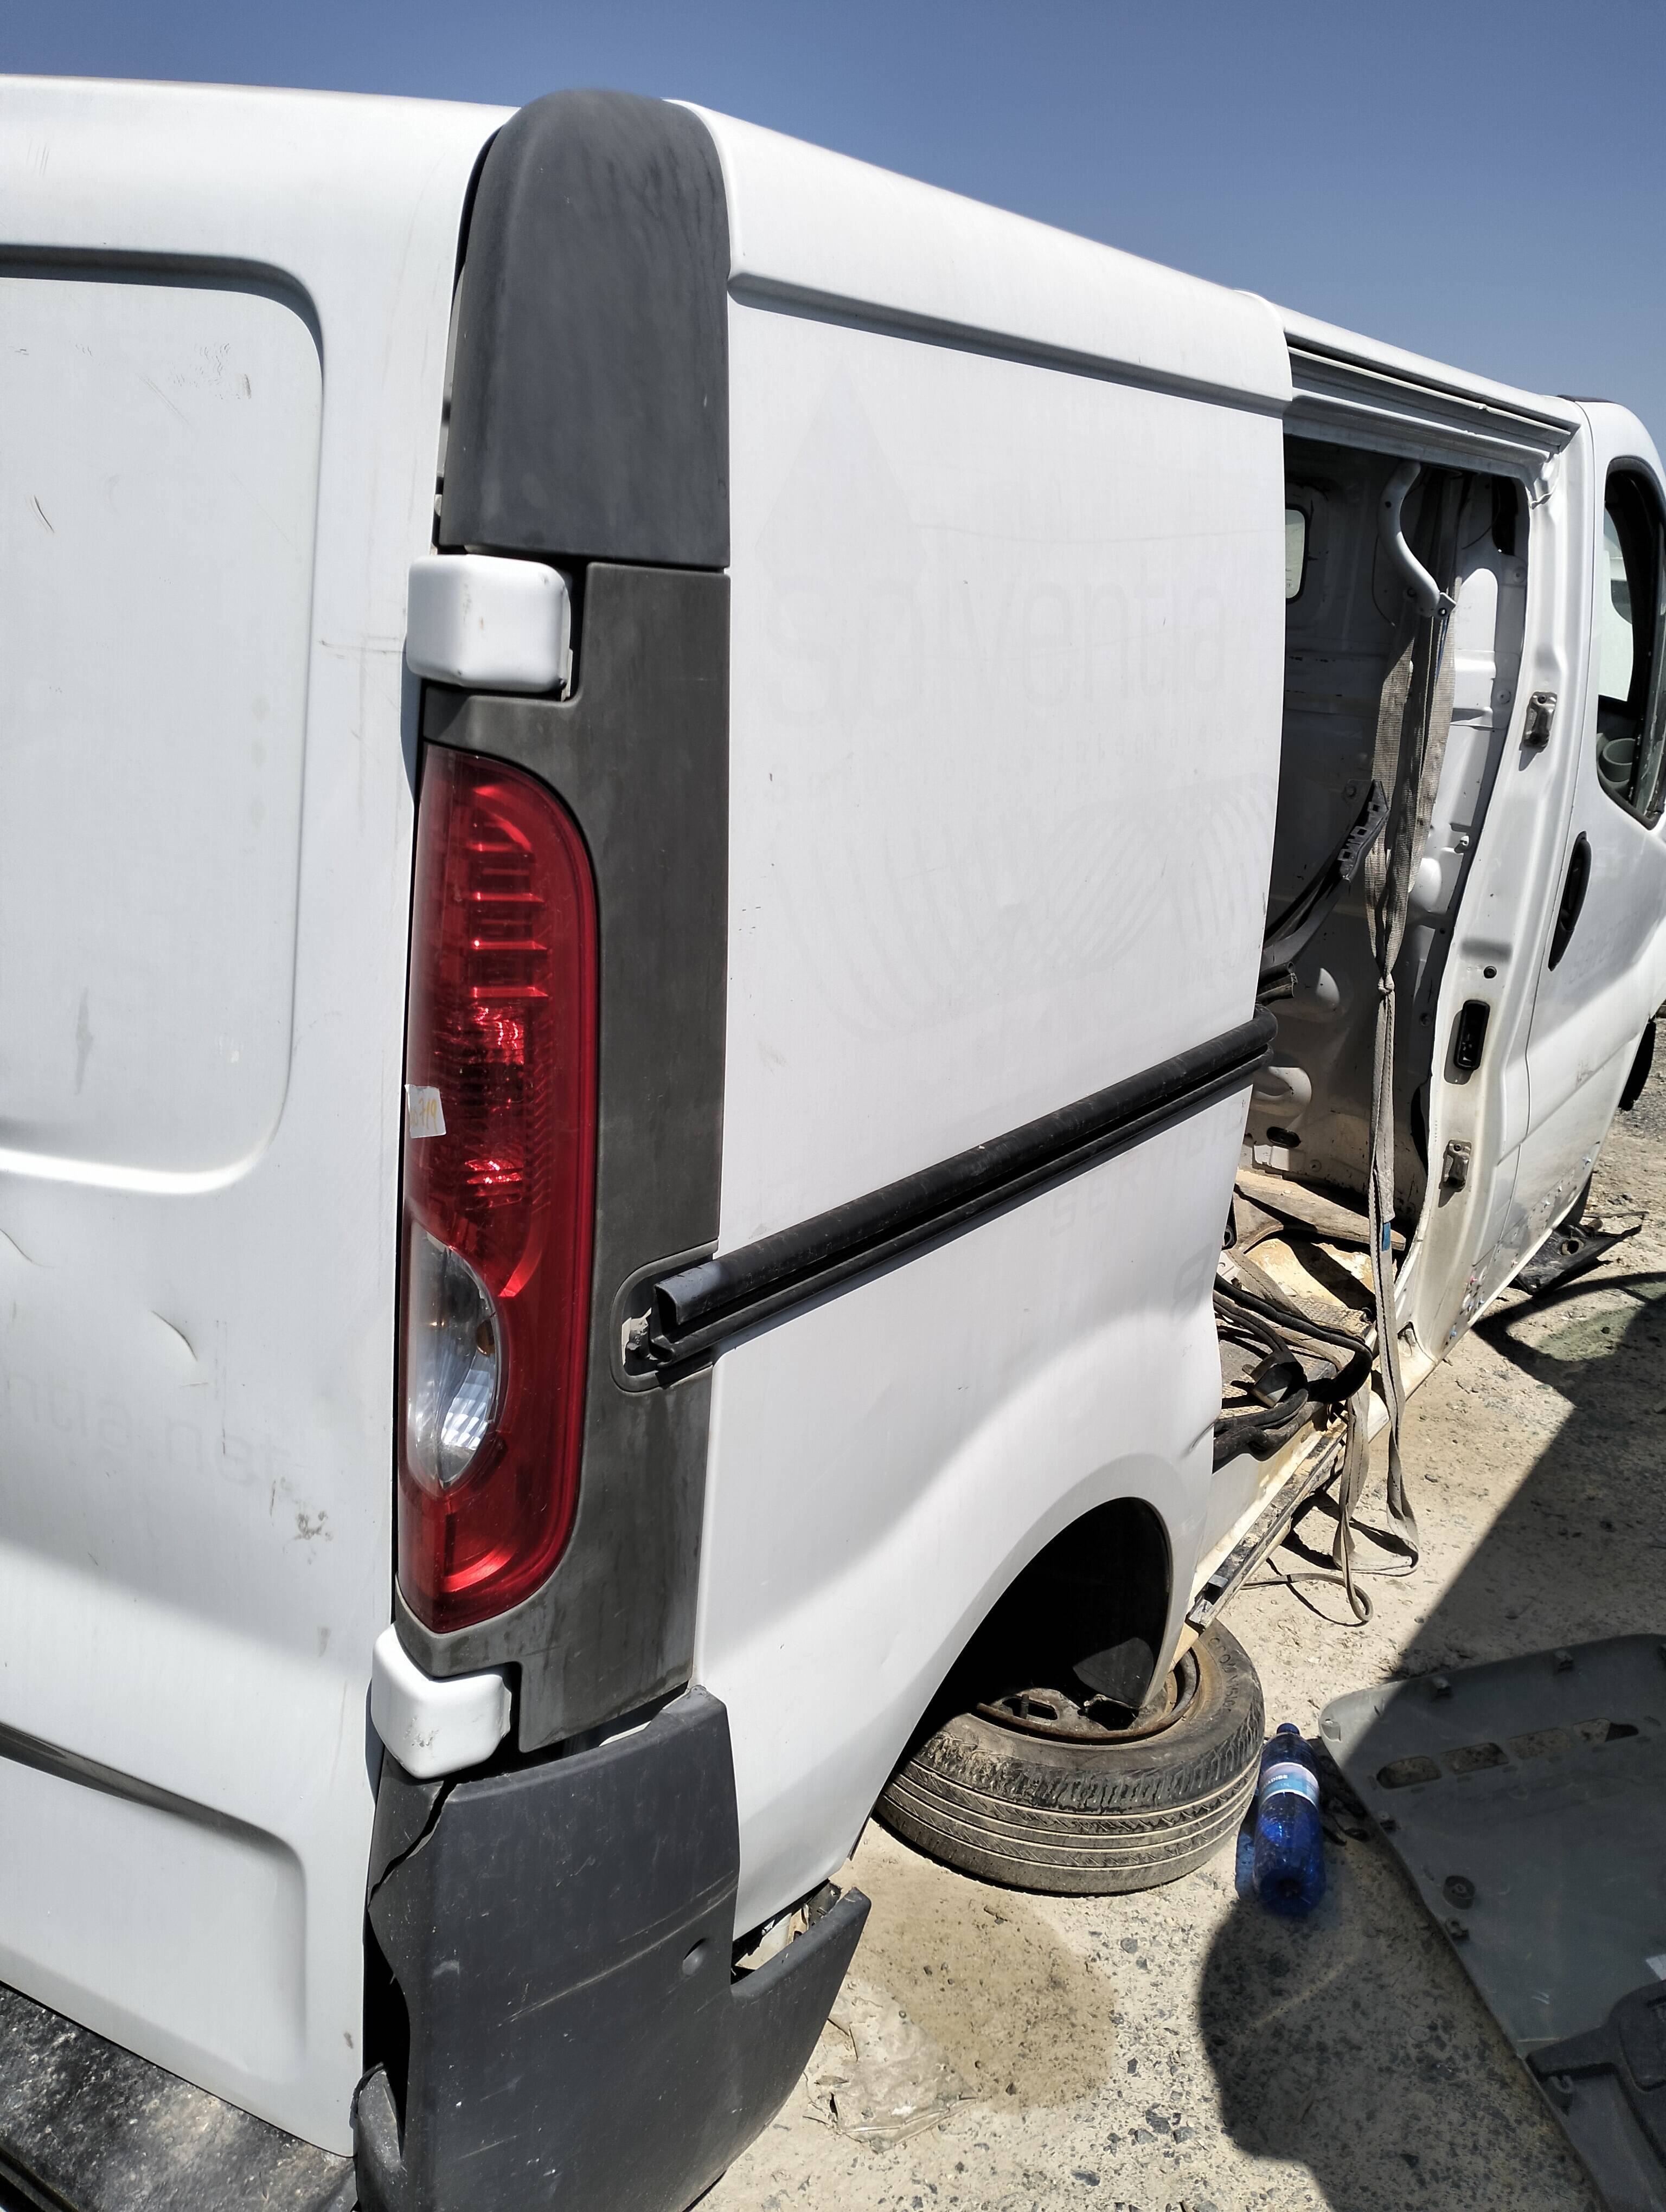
(1414, 720)
(1414, 717)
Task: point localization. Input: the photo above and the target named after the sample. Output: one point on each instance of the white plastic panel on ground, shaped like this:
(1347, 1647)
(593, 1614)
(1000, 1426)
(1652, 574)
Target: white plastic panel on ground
(197, 1293)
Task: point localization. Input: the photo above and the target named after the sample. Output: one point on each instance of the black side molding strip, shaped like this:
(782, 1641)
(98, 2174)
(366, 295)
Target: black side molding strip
(697, 1308)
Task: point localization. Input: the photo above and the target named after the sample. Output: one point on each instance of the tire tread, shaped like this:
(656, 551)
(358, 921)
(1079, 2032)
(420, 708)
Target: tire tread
(1035, 1812)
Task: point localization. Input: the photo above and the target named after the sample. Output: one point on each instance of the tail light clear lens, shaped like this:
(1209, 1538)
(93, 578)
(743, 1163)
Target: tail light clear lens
(499, 1184)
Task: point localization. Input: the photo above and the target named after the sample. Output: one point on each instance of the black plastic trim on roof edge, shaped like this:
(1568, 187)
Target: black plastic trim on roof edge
(695, 1309)
(590, 410)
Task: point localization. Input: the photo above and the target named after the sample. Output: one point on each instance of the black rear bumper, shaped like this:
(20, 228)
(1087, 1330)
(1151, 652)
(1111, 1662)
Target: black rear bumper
(558, 2023)
(561, 1937)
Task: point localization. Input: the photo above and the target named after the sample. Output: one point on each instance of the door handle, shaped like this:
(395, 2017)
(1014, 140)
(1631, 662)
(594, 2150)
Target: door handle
(1469, 1036)
(1578, 882)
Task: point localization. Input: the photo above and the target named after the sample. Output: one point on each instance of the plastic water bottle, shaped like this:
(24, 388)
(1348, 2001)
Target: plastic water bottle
(1289, 1847)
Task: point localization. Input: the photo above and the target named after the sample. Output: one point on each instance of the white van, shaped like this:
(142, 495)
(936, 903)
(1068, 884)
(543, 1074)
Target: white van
(676, 813)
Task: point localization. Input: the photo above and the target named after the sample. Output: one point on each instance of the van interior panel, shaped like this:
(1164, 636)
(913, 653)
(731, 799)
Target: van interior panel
(1310, 1117)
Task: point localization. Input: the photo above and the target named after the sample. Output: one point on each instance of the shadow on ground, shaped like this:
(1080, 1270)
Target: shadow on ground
(1316, 2029)
(1311, 2027)
(1580, 1550)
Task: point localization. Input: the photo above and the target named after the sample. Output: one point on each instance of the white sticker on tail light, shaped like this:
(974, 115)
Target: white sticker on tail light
(425, 1112)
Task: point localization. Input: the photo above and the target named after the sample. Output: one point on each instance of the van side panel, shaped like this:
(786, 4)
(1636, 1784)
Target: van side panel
(1001, 802)
(866, 1508)
(240, 302)
(1006, 678)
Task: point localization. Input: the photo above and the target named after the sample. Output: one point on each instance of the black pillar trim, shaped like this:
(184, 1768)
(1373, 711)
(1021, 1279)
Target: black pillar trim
(639, 757)
(590, 392)
(589, 427)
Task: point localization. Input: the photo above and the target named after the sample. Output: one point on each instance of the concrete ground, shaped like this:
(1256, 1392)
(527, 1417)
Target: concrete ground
(1180, 2052)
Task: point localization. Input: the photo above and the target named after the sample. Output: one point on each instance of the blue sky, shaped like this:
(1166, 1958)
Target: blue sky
(1484, 180)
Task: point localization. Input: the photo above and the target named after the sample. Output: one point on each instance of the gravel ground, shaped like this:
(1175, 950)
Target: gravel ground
(1179, 2052)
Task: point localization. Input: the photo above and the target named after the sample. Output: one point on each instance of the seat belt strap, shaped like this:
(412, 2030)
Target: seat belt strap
(1414, 719)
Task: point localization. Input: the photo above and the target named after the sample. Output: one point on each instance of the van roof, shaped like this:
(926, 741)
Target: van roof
(193, 170)
(821, 233)
(810, 229)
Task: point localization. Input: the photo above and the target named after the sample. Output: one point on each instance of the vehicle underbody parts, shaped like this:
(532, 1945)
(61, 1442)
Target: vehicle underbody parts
(1572, 1249)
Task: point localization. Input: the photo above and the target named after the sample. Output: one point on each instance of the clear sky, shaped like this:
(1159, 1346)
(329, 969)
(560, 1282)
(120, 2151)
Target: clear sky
(1482, 179)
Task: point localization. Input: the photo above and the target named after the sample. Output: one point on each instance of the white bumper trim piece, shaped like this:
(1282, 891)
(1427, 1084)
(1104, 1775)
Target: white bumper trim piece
(434, 1728)
(487, 623)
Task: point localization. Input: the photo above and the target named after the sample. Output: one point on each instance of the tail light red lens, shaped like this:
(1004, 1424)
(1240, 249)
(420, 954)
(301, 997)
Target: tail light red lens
(499, 1190)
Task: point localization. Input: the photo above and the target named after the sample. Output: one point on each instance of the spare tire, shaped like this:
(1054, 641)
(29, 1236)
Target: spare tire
(1004, 1794)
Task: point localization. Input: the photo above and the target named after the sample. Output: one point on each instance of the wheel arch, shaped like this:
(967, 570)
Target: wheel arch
(1096, 1595)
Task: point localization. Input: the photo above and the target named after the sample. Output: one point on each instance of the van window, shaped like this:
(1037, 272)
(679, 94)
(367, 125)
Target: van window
(1631, 607)
(1295, 550)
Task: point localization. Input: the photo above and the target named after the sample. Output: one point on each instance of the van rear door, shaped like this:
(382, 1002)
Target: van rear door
(225, 319)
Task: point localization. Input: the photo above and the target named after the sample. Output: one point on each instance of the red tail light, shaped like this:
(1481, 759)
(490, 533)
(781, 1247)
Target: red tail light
(499, 1179)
